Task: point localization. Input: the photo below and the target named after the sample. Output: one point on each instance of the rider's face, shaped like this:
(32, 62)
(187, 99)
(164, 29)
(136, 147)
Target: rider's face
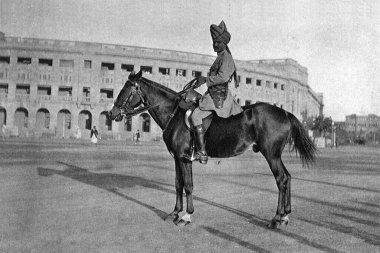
(218, 46)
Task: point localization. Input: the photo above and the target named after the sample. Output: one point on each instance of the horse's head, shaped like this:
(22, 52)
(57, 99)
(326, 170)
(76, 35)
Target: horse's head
(129, 98)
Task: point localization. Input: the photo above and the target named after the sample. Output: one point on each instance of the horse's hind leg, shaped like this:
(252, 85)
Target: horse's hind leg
(179, 183)
(282, 177)
(288, 206)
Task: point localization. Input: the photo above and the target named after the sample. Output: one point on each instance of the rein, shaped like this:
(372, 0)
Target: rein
(136, 89)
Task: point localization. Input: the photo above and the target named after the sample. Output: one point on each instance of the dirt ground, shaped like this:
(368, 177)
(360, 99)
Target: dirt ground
(75, 197)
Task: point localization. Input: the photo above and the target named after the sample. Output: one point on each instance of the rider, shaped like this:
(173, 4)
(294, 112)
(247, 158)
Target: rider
(217, 98)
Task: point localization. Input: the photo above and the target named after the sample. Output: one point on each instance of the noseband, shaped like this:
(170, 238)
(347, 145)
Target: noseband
(126, 109)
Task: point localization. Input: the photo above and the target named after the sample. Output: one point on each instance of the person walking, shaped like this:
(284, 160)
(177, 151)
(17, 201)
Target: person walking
(137, 137)
(94, 135)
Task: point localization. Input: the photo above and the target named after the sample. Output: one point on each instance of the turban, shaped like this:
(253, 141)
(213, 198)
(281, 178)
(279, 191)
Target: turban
(220, 33)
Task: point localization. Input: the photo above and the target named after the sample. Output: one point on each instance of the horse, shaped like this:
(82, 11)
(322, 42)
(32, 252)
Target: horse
(265, 127)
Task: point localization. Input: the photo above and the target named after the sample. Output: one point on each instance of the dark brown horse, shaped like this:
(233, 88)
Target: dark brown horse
(270, 127)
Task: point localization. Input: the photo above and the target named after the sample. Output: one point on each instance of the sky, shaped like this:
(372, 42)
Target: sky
(336, 40)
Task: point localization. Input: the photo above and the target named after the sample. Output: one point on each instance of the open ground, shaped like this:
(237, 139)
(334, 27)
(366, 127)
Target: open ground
(67, 196)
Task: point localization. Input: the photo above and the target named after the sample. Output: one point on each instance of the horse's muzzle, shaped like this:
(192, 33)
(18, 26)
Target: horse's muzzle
(118, 118)
(114, 115)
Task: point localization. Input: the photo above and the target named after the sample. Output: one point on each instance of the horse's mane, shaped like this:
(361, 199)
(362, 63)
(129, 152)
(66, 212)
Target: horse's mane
(159, 86)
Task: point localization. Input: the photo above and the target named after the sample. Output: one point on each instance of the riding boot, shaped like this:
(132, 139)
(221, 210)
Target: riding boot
(201, 153)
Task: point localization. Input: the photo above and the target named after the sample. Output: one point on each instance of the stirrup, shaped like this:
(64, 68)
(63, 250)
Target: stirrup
(196, 156)
(201, 157)
(191, 157)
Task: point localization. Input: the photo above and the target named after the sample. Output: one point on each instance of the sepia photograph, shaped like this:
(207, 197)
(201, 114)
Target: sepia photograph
(189, 126)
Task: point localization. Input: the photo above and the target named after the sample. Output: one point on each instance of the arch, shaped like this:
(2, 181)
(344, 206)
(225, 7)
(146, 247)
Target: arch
(104, 122)
(21, 118)
(128, 124)
(43, 119)
(63, 122)
(85, 120)
(3, 116)
(145, 122)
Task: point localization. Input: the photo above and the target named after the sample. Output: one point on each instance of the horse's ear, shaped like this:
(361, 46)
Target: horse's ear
(132, 76)
(138, 75)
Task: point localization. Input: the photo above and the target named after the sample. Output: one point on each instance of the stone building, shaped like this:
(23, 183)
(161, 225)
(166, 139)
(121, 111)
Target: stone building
(54, 88)
(362, 126)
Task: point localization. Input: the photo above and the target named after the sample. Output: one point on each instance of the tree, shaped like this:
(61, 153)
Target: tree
(342, 136)
(322, 125)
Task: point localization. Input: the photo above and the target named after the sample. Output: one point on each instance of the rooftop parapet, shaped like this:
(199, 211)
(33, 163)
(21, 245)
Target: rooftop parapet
(285, 68)
(112, 49)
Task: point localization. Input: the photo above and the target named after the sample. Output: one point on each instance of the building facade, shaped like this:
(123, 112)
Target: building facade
(362, 126)
(53, 88)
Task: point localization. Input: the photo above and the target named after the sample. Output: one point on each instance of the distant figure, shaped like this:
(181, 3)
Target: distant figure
(94, 135)
(78, 133)
(137, 137)
(2, 131)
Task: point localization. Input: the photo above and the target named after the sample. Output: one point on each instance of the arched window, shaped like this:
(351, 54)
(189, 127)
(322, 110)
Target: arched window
(104, 122)
(21, 118)
(128, 124)
(43, 119)
(3, 116)
(85, 120)
(145, 122)
(64, 119)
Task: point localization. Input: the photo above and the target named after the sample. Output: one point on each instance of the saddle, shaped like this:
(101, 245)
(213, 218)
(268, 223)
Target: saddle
(191, 102)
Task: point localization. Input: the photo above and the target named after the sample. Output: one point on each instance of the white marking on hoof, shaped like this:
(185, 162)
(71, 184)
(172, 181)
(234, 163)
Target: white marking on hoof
(285, 220)
(186, 217)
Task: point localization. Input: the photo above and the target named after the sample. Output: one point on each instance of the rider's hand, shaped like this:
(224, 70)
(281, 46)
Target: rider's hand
(236, 84)
(200, 80)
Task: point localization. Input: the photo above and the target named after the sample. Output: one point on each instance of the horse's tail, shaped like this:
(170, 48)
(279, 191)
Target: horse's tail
(301, 140)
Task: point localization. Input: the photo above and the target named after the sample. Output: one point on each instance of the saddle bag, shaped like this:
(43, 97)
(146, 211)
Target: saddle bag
(218, 94)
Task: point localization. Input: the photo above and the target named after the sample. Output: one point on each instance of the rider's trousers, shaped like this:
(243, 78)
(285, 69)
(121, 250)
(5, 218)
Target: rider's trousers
(198, 115)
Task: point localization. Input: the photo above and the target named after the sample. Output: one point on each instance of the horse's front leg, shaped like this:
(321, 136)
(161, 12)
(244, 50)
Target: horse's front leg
(179, 183)
(187, 173)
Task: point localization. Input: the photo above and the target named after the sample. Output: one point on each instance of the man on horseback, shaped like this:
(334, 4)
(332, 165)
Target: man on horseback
(218, 97)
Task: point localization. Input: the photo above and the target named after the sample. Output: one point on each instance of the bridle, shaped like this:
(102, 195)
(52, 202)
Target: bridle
(127, 110)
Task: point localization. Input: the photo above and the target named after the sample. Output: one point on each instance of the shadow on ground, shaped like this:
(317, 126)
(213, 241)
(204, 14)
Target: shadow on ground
(113, 182)
(109, 182)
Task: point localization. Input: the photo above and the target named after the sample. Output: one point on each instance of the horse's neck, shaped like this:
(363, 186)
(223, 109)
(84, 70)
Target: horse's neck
(165, 99)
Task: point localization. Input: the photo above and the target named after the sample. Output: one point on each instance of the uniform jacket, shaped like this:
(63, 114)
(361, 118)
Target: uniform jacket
(221, 72)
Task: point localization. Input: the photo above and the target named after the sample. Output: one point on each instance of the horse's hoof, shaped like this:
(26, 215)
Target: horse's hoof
(284, 221)
(172, 217)
(182, 223)
(273, 224)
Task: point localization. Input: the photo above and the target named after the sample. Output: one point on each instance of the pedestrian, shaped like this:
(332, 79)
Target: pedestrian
(78, 133)
(94, 135)
(137, 137)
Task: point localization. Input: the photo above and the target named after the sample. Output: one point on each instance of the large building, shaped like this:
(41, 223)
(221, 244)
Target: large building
(362, 126)
(54, 88)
